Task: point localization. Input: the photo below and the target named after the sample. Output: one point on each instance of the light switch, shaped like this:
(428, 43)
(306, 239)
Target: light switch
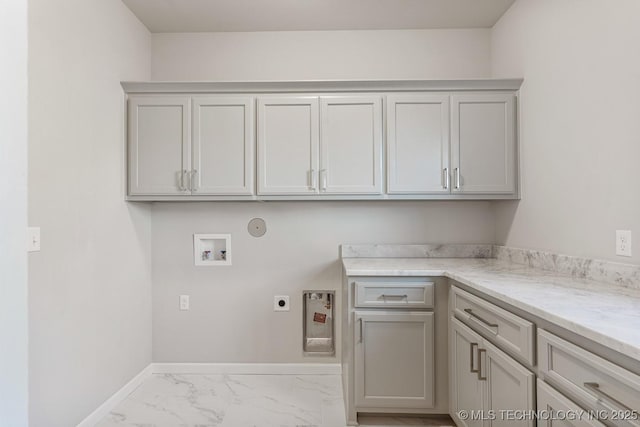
(33, 239)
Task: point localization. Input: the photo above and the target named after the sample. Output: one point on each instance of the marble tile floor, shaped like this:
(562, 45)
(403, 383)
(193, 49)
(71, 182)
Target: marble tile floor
(195, 400)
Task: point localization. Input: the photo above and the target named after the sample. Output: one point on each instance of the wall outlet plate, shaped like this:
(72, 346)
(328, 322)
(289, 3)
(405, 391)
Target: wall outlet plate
(184, 302)
(623, 242)
(281, 303)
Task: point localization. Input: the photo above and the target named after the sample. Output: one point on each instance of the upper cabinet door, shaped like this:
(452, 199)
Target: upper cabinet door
(223, 155)
(418, 144)
(483, 142)
(351, 145)
(288, 145)
(159, 145)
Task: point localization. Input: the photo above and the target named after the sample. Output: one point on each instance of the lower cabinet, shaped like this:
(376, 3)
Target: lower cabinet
(394, 359)
(555, 410)
(488, 387)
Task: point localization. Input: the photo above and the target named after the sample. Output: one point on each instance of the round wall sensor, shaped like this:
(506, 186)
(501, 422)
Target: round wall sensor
(257, 227)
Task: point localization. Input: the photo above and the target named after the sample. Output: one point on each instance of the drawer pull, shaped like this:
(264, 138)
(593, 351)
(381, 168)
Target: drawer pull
(385, 296)
(481, 351)
(603, 397)
(475, 316)
(471, 348)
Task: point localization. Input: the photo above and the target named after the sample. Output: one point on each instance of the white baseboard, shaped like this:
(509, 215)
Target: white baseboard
(247, 368)
(104, 409)
(208, 368)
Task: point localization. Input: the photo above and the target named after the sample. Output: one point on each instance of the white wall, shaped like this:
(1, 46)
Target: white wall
(13, 214)
(90, 287)
(315, 55)
(580, 124)
(231, 317)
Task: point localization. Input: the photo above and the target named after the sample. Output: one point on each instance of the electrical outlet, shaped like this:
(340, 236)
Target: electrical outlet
(33, 239)
(184, 302)
(623, 242)
(281, 303)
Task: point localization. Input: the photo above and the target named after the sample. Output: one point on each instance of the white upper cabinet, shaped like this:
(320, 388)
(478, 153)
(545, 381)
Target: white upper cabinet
(159, 146)
(351, 145)
(223, 146)
(483, 143)
(288, 145)
(418, 144)
(297, 156)
(322, 140)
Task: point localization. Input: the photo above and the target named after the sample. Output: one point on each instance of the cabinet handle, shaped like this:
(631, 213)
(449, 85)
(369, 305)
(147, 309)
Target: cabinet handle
(181, 186)
(312, 179)
(473, 351)
(457, 173)
(194, 174)
(482, 320)
(604, 397)
(323, 179)
(481, 351)
(385, 296)
(445, 178)
(361, 334)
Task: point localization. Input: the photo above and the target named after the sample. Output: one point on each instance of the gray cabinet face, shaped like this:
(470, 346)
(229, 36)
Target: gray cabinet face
(418, 144)
(158, 144)
(288, 145)
(483, 143)
(466, 391)
(394, 359)
(509, 386)
(223, 154)
(552, 402)
(351, 145)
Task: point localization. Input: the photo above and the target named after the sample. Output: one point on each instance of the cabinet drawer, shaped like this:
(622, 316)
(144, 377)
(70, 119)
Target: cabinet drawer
(390, 294)
(510, 332)
(594, 382)
(555, 405)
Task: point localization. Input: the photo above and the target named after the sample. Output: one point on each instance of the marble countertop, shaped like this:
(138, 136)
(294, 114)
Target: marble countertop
(604, 313)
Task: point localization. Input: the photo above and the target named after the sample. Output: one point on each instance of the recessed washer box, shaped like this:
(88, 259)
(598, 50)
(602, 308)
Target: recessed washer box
(212, 249)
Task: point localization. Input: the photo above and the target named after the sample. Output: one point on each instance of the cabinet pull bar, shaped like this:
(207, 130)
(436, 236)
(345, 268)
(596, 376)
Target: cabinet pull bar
(603, 397)
(481, 351)
(194, 174)
(385, 296)
(473, 351)
(445, 180)
(323, 179)
(312, 179)
(457, 172)
(361, 335)
(475, 316)
(183, 172)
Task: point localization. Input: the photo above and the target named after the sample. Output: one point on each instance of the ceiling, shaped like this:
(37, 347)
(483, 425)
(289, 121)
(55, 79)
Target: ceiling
(170, 16)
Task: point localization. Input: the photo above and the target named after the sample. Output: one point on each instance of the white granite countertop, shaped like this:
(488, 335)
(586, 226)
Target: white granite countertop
(605, 313)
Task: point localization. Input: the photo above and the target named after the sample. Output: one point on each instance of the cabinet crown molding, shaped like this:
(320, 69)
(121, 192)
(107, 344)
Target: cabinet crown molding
(320, 86)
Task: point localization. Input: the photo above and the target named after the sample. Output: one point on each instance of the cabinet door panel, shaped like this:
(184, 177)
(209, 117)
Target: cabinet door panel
(484, 143)
(418, 144)
(288, 145)
(466, 391)
(394, 365)
(555, 405)
(158, 144)
(223, 159)
(351, 145)
(509, 386)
